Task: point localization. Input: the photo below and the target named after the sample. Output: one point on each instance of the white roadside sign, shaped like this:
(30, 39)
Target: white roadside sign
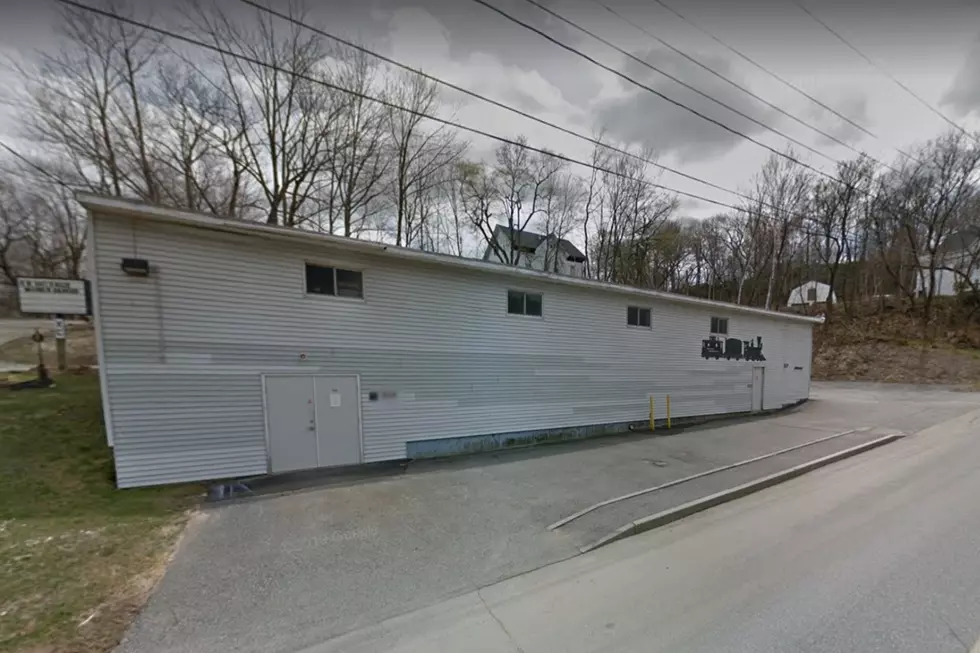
(52, 296)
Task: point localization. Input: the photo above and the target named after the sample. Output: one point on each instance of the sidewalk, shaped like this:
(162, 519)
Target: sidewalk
(281, 573)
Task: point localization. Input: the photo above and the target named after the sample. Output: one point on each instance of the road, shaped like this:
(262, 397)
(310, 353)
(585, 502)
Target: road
(877, 553)
(11, 329)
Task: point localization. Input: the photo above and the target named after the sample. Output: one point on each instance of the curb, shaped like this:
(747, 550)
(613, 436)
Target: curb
(684, 510)
(632, 495)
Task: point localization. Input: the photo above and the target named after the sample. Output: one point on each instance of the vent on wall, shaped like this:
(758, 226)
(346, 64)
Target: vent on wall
(136, 267)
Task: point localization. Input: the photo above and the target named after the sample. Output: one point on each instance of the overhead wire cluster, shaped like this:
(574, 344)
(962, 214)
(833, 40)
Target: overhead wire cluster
(496, 137)
(952, 123)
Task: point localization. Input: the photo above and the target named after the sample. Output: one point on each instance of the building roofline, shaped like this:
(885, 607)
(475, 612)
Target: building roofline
(132, 208)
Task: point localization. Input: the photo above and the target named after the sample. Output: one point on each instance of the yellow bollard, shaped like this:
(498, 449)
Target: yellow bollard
(651, 412)
(668, 411)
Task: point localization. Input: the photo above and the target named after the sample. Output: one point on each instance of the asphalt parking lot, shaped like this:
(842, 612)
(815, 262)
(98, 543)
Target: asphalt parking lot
(281, 573)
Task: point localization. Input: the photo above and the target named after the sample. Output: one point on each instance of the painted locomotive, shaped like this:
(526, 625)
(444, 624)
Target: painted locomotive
(732, 348)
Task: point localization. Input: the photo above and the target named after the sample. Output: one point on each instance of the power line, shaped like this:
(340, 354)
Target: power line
(676, 103)
(493, 102)
(735, 84)
(295, 21)
(882, 71)
(673, 78)
(474, 130)
(364, 96)
(34, 166)
(775, 76)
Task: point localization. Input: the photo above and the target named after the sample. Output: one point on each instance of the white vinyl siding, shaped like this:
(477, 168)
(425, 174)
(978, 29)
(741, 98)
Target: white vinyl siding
(185, 349)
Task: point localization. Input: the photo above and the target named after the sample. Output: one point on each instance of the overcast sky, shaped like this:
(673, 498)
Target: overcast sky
(933, 47)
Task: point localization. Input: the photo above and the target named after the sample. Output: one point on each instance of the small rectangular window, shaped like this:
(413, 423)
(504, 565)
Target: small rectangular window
(637, 316)
(644, 317)
(515, 302)
(532, 304)
(523, 303)
(319, 280)
(323, 280)
(349, 283)
(811, 294)
(719, 325)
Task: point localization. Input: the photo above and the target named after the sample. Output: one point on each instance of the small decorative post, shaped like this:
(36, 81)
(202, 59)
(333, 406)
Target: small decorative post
(42, 371)
(668, 411)
(652, 412)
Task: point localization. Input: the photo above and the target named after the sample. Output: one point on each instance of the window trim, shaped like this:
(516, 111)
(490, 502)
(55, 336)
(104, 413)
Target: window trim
(712, 331)
(334, 266)
(639, 322)
(524, 294)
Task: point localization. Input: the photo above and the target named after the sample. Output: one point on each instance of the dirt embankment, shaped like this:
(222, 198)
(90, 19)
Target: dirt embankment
(896, 347)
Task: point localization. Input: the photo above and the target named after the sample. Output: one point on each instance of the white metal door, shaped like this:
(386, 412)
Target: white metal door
(291, 423)
(758, 387)
(338, 420)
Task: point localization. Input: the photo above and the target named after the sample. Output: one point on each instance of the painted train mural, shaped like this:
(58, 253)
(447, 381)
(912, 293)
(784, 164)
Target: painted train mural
(732, 348)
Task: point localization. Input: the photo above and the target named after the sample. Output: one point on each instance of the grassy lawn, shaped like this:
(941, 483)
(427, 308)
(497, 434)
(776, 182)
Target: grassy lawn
(77, 556)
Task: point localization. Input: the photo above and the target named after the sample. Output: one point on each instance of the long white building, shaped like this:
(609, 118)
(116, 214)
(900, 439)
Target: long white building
(230, 349)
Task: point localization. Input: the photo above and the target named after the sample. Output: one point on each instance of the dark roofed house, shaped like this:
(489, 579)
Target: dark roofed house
(536, 251)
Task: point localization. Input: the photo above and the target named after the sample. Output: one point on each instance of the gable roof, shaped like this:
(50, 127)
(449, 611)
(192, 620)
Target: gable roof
(530, 240)
(812, 283)
(160, 214)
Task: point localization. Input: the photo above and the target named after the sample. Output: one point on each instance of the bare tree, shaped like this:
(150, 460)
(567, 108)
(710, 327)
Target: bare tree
(781, 195)
(474, 196)
(358, 163)
(12, 225)
(448, 232)
(594, 199)
(920, 206)
(523, 181)
(561, 216)
(624, 229)
(418, 156)
(83, 103)
(194, 149)
(285, 119)
(836, 210)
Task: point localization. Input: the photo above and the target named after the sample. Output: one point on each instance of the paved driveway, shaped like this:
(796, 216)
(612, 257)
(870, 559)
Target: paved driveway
(283, 573)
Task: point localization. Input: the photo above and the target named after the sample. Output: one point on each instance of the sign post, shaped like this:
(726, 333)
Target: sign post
(60, 334)
(58, 298)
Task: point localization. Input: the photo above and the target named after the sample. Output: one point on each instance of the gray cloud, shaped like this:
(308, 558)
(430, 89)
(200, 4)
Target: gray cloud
(964, 95)
(643, 118)
(473, 29)
(852, 103)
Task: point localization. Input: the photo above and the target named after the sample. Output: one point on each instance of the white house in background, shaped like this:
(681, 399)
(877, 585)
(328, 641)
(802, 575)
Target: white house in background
(537, 251)
(959, 259)
(810, 293)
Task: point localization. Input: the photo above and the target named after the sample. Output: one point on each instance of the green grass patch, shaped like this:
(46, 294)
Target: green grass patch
(77, 556)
